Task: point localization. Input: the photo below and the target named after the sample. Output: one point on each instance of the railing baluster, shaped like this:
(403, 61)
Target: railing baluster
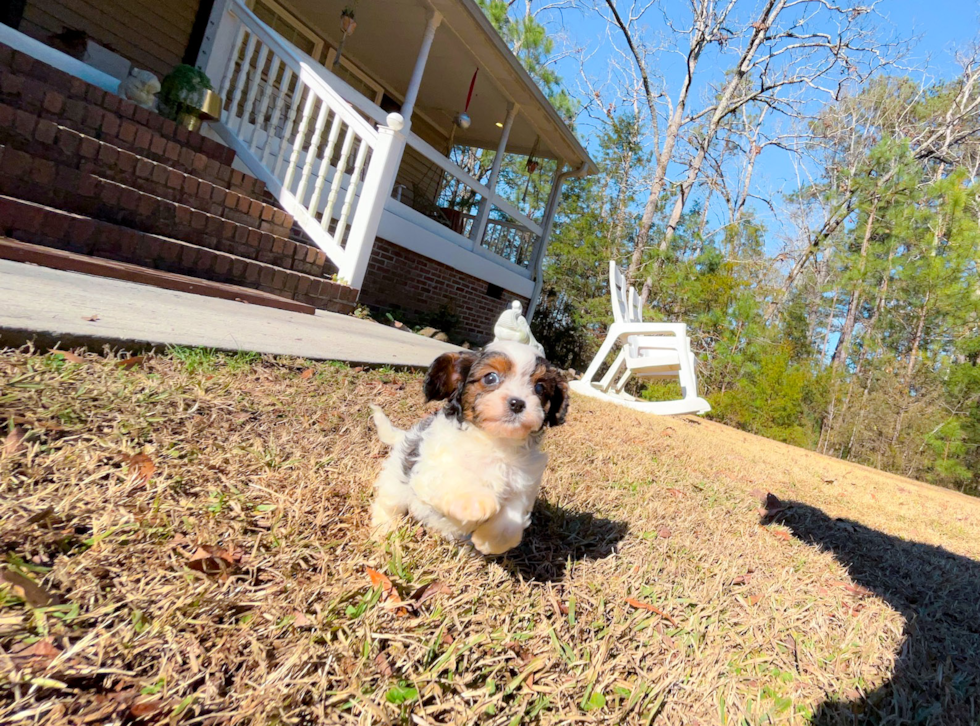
(335, 125)
(355, 182)
(290, 122)
(242, 73)
(264, 101)
(253, 87)
(338, 178)
(300, 139)
(230, 70)
(287, 76)
(304, 179)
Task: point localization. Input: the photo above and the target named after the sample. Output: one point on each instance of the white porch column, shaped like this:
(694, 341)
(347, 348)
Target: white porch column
(483, 214)
(374, 193)
(551, 209)
(413, 85)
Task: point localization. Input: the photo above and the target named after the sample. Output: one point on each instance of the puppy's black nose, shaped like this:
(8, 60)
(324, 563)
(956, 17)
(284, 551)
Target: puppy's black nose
(516, 405)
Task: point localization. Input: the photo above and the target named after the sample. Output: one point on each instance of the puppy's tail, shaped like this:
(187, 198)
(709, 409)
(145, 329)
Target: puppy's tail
(386, 431)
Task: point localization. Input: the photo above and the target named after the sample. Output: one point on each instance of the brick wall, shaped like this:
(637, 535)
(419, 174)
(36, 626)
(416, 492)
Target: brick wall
(398, 280)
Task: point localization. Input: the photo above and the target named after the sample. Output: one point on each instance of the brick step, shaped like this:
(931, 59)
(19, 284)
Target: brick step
(40, 91)
(37, 78)
(43, 225)
(44, 139)
(70, 262)
(45, 182)
(296, 232)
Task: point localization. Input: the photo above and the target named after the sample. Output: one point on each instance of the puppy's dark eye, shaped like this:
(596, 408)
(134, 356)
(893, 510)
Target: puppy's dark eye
(491, 379)
(539, 388)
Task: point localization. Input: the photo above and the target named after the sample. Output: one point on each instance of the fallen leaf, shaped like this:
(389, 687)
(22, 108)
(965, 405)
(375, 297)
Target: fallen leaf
(389, 595)
(14, 441)
(300, 620)
(68, 356)
(383, 666)
(667, 432)
(379, 580)
(359, 369)
(26, 589)
(754, 599)
(131, 362)
(148, 708)
(427, 592)
(141, 468)
(742, 579)
(652, 608)
(307, 374)
(213, 560)
(43, 649)
(780, 534)
(664, 533)
(853, 589)
(47, 516)
(92, 318)
(447, 639)
(675, 492)
(790, 642)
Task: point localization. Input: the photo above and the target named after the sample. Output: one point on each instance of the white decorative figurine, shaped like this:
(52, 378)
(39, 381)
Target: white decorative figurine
(511, 325)
(140, 87)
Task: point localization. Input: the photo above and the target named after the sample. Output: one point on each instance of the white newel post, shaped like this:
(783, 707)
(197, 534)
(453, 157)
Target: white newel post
(218, 45)
(378, 182)
(483, 213)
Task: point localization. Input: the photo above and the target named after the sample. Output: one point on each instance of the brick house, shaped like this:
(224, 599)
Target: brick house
(339, 170)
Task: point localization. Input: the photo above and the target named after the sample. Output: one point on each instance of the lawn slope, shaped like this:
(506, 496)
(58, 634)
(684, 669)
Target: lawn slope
(196, 528)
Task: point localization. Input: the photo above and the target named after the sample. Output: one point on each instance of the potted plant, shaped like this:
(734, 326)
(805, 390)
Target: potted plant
(186, 97)
(347, 22)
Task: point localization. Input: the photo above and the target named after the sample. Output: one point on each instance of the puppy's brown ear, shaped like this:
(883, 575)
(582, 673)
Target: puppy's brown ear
(446, 374)
(558, 402)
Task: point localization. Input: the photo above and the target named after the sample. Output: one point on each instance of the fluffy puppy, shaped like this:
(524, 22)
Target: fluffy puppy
(473, 469)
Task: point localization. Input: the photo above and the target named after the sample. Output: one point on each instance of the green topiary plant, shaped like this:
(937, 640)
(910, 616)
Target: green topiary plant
(182, 91)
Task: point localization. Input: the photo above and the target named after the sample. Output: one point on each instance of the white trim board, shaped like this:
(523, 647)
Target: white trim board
(403, 230)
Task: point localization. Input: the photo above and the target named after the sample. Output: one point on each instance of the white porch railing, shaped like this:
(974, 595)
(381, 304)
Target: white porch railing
(512, 240)
(328, 154)
(288, 122)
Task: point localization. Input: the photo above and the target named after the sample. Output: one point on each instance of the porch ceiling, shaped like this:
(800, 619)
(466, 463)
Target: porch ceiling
(385, 45)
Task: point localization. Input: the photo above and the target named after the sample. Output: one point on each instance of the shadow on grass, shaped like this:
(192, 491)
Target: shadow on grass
(937, 674)
(557, 537)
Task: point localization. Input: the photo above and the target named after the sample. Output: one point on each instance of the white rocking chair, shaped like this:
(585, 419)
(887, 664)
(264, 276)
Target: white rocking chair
(647, 350)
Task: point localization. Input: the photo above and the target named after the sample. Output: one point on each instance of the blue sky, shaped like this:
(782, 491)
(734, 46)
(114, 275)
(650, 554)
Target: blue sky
(940, 28)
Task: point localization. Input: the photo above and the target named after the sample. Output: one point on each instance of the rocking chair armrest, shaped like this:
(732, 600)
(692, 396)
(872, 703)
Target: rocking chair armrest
(621, 330)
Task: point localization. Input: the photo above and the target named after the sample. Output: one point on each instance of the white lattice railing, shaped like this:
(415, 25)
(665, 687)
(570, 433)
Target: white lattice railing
(286, 118)
(513, 240)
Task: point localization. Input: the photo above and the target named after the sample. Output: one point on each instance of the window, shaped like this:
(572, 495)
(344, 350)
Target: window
(288, 27)
(353, 77)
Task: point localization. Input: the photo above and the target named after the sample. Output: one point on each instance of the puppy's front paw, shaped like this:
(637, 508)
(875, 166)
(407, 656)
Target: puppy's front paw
(473, 506)
(383, 520)
(486, 543)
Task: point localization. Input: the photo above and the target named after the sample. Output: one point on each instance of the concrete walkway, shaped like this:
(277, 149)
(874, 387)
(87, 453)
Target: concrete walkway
(52, 306)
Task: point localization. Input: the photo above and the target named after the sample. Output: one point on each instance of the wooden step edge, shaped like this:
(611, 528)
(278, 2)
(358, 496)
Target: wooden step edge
(72, 262)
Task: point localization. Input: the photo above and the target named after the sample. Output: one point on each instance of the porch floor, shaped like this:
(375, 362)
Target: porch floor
(52, 306)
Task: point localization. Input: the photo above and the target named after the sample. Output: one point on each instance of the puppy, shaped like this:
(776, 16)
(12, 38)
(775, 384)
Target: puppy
(473, 469)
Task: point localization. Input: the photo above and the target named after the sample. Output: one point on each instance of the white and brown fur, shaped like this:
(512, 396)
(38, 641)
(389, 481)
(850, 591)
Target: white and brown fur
(473, 469)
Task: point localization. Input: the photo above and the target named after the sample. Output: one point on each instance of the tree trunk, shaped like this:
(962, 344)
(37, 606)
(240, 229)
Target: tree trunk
(910, 369)
(869, 331)
(847, 330)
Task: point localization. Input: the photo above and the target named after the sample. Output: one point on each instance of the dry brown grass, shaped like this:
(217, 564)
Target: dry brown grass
(270, 466)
